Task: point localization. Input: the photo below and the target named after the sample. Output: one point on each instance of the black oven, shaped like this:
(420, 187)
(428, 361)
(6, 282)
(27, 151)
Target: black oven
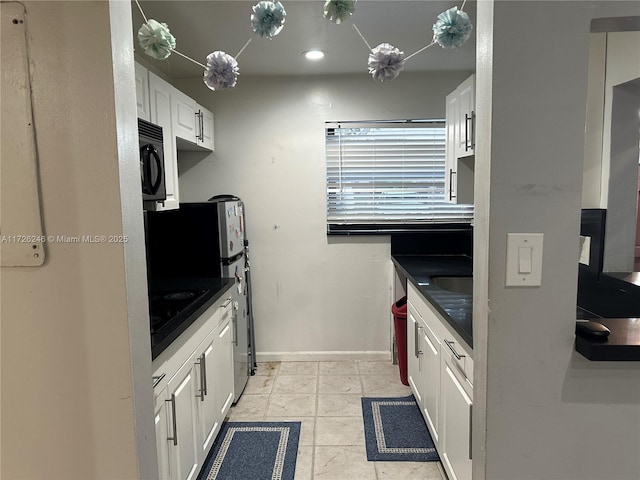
(151, 161)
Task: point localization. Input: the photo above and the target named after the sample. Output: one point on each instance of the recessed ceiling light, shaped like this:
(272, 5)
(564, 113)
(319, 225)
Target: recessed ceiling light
(313, 54)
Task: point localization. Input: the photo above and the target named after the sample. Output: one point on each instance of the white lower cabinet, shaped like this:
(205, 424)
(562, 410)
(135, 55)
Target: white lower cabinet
(161, 420)
(183, 451)
(456, 421)
(440, 370)
(208, 411)
(223, 355)
(414, 371)
(194, 392)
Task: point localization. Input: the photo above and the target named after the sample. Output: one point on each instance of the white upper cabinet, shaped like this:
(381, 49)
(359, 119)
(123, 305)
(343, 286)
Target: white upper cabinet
(205, 139)
(142, 92)
(193, 124)
(185, 126)
(466, 143)
(461, 142)
(161, 94)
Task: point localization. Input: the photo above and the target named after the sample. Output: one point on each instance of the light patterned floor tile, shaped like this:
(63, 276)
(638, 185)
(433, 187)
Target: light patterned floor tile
(298, 368)
(259, 384)
(249, 407)
(348, 431)
(339, 405)
(295, 384)
(304, 463)
(281, 405)
(378, 368)
(267, 368)
(342, 463)
(408, 471)
(338, 368)
(339, 384)
(383, 386)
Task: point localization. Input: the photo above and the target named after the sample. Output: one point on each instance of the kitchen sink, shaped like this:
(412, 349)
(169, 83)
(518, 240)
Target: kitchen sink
(462, 285)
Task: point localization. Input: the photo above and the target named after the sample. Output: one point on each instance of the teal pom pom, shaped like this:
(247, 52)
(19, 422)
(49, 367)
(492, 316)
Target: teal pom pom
(268, 18)
(156, 40)
(339, 10)
(452, 29)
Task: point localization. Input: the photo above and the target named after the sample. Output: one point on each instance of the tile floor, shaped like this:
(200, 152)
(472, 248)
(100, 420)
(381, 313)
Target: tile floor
(325, 397)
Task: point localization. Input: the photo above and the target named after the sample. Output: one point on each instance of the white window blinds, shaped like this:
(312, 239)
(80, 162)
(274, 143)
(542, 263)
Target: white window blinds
(384, 176)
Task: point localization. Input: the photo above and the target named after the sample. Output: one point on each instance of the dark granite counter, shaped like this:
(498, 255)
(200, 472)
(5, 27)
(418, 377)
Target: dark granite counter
(614, 300)
(456, 308)
(622, 344)
(214, 288)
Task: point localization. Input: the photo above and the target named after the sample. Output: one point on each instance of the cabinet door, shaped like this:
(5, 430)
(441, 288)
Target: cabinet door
(223, 360)
(456, 423)
(205, 137)
(208, 413)
(431, 381)
(414, 353)
(162, 434)
(142, 92)
(161, 94)
(451, 148)
(182, 390)
(185, 124)
(467, 117)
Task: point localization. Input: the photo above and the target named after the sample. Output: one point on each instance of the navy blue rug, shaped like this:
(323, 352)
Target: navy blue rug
(253, 450)
(395, 431)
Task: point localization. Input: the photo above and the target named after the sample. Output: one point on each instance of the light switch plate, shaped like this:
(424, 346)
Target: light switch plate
(524, 271)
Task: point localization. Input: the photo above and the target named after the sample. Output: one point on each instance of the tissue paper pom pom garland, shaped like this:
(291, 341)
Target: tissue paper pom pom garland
(452, 28)
(222, 71)
(339, 10)
(267, 18)
(385, 62)
(156, 40)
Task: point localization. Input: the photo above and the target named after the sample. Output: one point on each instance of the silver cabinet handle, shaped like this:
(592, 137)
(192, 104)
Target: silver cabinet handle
(197, 114)
(453, 349)
(466, 132)
(235, 327)
(175, 420)
(473, 130)
(470, 431)
(202, 361)
(201, 126)
(416, 340)
(451, 174)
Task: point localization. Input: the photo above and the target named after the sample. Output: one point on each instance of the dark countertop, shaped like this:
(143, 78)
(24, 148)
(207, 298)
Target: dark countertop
(215, 286)
(456, 308)
(613, 299)
(622, 344)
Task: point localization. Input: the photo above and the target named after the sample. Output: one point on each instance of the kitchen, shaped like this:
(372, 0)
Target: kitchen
(356, 267)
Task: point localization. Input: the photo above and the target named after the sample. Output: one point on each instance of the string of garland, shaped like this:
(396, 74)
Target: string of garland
(451, 30)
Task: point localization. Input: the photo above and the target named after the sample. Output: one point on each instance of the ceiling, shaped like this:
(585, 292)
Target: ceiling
(201, 27)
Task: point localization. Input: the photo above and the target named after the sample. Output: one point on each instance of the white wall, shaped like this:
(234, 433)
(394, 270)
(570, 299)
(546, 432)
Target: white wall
(312, 293)
(71, 329)
(542, 412)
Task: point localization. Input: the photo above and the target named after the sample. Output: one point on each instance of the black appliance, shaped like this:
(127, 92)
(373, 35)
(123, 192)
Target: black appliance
(151, 161)
(200, 241)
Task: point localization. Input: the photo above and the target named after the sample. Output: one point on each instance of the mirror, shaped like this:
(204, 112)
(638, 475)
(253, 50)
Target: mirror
(612, 154)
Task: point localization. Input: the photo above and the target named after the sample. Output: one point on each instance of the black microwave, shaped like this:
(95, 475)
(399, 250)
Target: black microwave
(151, 161)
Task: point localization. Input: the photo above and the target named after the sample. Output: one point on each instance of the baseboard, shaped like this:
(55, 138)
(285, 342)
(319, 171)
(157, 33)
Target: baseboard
(321, 356)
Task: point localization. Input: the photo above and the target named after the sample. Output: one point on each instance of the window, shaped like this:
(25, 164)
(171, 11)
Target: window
(388, 176)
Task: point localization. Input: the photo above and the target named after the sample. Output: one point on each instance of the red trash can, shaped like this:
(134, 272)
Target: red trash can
(399, 310)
